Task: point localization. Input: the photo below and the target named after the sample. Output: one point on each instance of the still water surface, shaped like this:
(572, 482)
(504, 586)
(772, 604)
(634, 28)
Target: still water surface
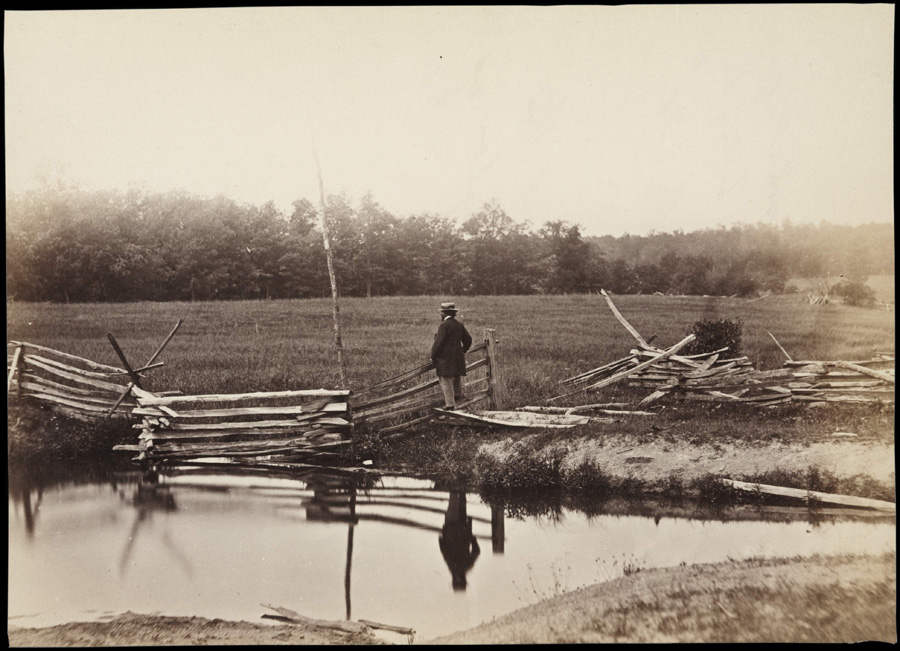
(206, 542)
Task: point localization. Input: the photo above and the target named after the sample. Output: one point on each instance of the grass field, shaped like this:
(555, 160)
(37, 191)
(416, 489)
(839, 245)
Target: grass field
(278, 345)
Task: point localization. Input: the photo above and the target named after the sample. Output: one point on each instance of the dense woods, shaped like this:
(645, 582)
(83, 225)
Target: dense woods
(67, 244)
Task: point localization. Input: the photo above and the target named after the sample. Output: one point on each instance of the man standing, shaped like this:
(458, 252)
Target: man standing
(448, 354)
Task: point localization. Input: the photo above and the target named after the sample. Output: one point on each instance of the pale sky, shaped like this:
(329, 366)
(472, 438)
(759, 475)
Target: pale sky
(620, 119)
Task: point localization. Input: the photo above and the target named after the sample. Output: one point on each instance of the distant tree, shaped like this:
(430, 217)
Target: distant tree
(621, 279)
(499, 253)
(570, 257)
(434, 256)
(64, 243)
(380, 254)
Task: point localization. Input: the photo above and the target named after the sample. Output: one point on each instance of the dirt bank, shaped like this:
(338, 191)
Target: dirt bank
(130, 629)
(657, 459)
(834, 599)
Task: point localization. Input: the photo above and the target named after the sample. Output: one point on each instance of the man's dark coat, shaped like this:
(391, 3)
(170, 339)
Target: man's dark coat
(449, 349)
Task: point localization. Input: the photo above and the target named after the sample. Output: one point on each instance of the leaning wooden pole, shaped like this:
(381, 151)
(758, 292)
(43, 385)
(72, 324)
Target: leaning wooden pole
(329, 258)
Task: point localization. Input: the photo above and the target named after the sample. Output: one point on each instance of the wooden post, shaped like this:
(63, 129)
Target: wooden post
(329, 259)
(15, 372)
(494, 378)
(498, 529)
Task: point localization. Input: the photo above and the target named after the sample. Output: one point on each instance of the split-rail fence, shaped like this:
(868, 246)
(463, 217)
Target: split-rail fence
(296, 426)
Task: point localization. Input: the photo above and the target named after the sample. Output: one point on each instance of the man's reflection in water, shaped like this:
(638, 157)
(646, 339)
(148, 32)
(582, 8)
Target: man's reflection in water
(458, 545)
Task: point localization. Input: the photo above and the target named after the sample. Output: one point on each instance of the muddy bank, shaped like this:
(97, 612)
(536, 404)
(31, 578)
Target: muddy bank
(820, 599)
(130, 629)
(653, 459)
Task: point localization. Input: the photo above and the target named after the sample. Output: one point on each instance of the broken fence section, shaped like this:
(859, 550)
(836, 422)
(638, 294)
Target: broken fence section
(78, 387)
(716, 377)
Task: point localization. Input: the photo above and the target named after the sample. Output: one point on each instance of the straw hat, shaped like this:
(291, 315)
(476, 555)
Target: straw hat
(449, 307)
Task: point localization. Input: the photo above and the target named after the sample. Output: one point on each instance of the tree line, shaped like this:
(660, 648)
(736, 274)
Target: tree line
(68, 244)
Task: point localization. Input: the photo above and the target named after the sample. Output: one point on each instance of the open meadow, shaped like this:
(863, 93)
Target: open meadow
(279, 345)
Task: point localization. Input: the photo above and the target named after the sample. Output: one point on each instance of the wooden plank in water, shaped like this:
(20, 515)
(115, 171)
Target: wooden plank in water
(315, 435)
(128, 448)
(826, 498)
(215, 448)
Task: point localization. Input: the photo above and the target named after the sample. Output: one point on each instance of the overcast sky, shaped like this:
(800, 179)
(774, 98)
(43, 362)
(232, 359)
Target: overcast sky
(620, 119)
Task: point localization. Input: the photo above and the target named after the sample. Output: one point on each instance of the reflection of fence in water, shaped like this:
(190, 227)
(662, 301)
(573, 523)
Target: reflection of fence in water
(354, 501)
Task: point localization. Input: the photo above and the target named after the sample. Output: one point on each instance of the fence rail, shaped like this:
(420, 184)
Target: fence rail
(75, 386)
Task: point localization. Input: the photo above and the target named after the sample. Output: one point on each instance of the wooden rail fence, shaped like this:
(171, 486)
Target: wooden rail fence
(76, 386)
(293, 426)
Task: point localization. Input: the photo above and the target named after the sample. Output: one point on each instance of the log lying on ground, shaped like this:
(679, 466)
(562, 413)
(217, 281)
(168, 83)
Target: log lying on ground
(603, 408)
(516, 419)
(825, 498)
(362, 626)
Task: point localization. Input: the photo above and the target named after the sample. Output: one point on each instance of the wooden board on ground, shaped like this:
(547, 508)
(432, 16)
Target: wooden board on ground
(515, 418)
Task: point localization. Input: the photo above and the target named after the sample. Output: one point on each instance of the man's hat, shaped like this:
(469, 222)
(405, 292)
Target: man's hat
(449, 307)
